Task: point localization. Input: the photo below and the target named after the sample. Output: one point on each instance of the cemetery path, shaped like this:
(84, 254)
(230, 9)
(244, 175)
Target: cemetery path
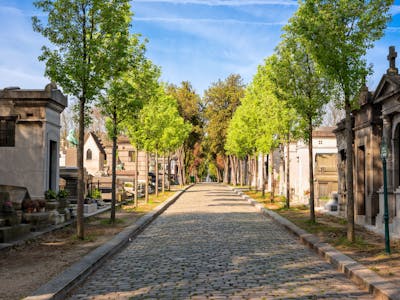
(211, 244)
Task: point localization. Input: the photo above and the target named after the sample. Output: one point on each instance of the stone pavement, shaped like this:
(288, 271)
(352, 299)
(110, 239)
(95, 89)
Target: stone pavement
(211, 244)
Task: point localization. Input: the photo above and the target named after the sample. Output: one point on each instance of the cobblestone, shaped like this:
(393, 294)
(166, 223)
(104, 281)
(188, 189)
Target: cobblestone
(211, 244)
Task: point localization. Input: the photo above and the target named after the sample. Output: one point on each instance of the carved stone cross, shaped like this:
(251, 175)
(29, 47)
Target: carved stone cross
(392, 60)
(392, 57)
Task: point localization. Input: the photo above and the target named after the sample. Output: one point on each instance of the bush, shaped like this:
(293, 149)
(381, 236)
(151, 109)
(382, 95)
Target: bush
(96, 194)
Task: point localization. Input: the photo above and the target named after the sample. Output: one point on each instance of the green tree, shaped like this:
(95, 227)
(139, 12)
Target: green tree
(160, 125)
(190, 108)
(337, 33)
(221, 100)
(87, 37)
(122, 99)
(306, 90)
(141, 86)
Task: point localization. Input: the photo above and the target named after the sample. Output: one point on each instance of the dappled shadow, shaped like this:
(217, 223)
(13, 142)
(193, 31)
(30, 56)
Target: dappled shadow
(228, 199)
(222, 195)
(229, 204)
(217, 254)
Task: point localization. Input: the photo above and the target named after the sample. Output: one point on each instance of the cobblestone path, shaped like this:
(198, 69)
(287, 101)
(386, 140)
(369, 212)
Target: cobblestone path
(211, 244)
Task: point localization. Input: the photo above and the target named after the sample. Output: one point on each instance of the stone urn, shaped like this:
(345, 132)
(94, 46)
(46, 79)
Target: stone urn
(52, 205)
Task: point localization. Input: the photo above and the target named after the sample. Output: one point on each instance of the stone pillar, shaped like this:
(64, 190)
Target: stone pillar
(393, 196)
(387, 135)
(396, 219)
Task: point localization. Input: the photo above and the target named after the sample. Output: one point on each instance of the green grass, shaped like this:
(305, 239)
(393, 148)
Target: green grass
(359, 243)
(86, 238)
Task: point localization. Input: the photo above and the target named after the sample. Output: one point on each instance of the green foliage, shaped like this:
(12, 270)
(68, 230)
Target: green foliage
(262, 119)
(190, 108)
(221, 100)
(127, 93)
(96, 194)
(86, 38)
(301, 83)
(62, 194)
(160, 127)
(50, 194)
(337, 34)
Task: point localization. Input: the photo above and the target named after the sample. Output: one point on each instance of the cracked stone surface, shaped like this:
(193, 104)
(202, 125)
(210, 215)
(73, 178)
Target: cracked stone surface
(211, 244)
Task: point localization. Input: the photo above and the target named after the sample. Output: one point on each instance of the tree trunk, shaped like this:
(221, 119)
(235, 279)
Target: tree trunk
(163, 175)
(136, 178)
(226, 170)
(311, 170)
(146, 187)
(81, 176)
(230, 157)
(241, 172)
(249, 172)
(288, 172)
(272, 178)
(169, 172)
(114, 167)
(256, 171)
(262, 175)
(181, 170)
(156, 185)
(233, 169)
(349, 172)
(282, 169)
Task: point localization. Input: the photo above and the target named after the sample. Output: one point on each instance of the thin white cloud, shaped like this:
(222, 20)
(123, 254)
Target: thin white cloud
(393, 29)
(225, 2)
(211, 21)
(395, 9)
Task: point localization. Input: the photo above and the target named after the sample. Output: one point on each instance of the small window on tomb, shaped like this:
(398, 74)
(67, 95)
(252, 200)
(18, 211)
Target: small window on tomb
(319, 142)
(7, 131)
(131, 156)
(89, 154)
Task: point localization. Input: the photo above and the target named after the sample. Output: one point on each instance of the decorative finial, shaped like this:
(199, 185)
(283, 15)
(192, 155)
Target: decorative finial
(392, 61)
(51, 86)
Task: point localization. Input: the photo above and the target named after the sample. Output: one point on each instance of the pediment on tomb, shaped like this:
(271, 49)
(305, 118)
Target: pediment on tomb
(388, 87)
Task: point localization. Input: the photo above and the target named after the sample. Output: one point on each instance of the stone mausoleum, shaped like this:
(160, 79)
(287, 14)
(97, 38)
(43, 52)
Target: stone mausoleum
(377, 118)
(30, 138)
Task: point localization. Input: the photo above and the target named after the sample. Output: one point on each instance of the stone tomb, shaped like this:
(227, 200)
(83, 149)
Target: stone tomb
(30, 138)
(11, 201)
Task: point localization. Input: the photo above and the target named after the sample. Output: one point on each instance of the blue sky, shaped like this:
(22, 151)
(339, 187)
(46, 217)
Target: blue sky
(196, 40)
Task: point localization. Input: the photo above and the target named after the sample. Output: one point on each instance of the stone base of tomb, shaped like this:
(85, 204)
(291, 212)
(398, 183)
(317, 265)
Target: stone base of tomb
(89, 208)
(37, 220)
(10, 233)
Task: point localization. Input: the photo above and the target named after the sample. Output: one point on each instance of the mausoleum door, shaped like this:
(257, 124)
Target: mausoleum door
(396, 157)
(361, 180)
(52, 165)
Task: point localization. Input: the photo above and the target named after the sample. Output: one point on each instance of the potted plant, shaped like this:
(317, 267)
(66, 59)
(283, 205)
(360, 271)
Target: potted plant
(51, 200)
(62, 196)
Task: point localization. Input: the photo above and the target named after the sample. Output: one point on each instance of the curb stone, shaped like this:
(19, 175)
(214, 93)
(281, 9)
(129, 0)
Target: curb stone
(378, 286)
(62, 284)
